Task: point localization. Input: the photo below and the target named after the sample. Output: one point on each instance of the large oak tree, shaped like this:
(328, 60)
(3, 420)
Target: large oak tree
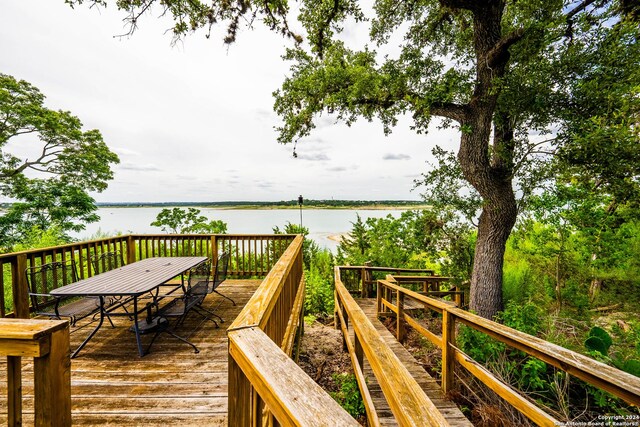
(499, 70)
(49, 186)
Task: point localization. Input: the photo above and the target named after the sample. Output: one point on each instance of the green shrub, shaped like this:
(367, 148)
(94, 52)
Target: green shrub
(319, 292)
(348, 394)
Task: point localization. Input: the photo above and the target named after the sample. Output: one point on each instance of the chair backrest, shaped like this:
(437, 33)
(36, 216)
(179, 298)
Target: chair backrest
(43, 278)
(199, 279)
(220, 271)
(106, 261)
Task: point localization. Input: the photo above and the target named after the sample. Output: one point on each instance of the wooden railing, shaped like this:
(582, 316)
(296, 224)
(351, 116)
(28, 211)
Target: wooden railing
(408, 402)
(266, 387)
(251, 256)
(391, 297)
(47, 342)
(359, 280)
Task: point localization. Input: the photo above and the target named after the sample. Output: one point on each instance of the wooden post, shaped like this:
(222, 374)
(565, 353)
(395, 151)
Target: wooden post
(457, 297)
(400, 317)
(214, 248)
(131, 250)
(52, 383)
(359, 352)
(19, 287)
(345, 317)
(368, 278)
(336, 307)
(379, 299)
(448, 339)
(240, 399)
(47, 341)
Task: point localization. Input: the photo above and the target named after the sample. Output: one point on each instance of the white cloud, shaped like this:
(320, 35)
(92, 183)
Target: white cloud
(198, 110)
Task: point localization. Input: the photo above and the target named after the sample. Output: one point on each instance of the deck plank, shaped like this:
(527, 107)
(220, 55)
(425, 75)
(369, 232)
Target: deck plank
(112, 386)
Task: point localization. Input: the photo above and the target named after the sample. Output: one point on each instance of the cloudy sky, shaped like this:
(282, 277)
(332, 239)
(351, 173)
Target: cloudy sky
(194, 121)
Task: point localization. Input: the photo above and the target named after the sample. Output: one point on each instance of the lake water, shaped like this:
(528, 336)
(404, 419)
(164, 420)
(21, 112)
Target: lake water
(321, 223)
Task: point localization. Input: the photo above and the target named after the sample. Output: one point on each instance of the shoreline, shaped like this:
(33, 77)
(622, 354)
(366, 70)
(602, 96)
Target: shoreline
(269, 207)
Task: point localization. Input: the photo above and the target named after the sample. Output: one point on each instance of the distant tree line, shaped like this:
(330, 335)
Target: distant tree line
(283, 203)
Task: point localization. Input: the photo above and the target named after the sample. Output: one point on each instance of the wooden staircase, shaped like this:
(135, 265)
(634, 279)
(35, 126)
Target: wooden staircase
(449, 409)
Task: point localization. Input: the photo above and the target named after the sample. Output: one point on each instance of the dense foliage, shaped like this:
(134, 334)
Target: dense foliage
(51, 184)
(417, 239)
(318, 272)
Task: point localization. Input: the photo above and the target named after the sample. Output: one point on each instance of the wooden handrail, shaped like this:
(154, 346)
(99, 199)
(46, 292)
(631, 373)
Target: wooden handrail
(258, 310)
(264, 383)
(605, 377)
(408, 402)
(290, 394)
(47, 341)
(388, 269)
(366, 277)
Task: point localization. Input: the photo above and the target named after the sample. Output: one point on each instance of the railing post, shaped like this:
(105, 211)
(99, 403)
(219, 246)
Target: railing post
(457, 297)
(19, 287)
(379, 299)
(240, 399)
(52, 383)
(47, 341)
(367, 280)
(345, 316)
(214, 248)
(358, 350)
(400, 318)
(448, 339)
(336, 307)
(131, 250)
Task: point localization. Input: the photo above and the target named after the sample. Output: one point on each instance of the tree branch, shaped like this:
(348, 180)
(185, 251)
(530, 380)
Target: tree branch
(501, 48)
(449, 110)
(462, 4)
(334, 11)
(582, 6)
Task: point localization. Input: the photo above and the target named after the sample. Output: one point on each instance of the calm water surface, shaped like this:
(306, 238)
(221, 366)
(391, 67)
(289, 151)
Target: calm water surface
(321, 223)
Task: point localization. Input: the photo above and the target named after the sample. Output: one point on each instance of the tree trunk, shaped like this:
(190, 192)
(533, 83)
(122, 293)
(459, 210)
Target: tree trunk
(496, 222)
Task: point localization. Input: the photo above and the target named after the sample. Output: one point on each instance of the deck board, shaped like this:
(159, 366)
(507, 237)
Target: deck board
(172, 385)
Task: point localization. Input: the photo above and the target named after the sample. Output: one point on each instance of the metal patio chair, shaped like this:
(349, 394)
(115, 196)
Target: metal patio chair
(220, 274)
(172, 315)
(106, 261)
(43, 278)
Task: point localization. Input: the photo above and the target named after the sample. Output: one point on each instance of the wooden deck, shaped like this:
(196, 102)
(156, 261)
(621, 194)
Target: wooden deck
(112, 385)
(449, 409)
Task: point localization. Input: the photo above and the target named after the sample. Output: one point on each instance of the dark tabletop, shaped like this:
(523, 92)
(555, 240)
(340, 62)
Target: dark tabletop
(132, 279)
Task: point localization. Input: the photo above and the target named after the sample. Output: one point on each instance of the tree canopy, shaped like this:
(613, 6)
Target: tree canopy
(177, 220)
(49, 185)
(518, 79)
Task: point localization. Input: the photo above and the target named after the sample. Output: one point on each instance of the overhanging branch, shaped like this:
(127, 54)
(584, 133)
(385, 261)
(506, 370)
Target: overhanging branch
(495, 55)
(449, 110)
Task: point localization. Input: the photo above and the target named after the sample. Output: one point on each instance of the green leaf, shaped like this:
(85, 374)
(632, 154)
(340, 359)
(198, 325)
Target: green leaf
(602, 334)
(596, 344)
